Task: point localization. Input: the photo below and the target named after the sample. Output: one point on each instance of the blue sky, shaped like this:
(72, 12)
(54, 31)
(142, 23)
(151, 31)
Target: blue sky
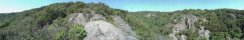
(7, 6)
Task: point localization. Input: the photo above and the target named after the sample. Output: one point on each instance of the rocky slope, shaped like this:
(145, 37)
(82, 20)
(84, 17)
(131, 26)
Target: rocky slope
(186, 22)
(98, 29)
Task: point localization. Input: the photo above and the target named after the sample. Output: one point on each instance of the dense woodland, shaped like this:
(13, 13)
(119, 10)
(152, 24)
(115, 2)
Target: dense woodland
(222, 23)
(38, 23)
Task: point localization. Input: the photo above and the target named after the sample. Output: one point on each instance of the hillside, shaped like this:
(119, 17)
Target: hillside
(53, 22)
(97, 21)
(218, 24)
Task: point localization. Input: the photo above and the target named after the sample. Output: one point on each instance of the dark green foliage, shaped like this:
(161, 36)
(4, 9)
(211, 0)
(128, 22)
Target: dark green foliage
(190, 34)
(149, 28)
(5, 19)
(224, 21)
(218, 35)
(77, 32)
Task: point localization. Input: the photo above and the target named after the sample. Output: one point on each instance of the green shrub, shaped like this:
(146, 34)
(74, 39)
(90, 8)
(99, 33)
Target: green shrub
(76, 32)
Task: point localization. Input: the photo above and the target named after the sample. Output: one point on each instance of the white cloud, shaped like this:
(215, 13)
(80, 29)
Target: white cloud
(9, 10)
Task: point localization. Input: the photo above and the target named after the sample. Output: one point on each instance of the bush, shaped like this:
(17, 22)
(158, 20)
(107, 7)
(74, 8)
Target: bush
(76, 32)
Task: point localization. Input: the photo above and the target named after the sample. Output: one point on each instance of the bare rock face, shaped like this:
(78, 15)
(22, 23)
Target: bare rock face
(204, 33)
(150, 14)
(98, 29)
(123, 26)
(186, 22)
(97, 17)
(201, 32)
(173, 36)
(189, 21)
(102, 30)
(183, 37)
(77, 18)
(207, 34)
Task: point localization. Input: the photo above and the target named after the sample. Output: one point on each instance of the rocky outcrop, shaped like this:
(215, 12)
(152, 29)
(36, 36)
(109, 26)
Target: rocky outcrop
(97, 17)
(204, 33)
(123, 26)
(150, 14)
(77, 18)
(183, 37)
(189, 21)
(207, 34)
(102, 30)
(186, 22)
(98, 29)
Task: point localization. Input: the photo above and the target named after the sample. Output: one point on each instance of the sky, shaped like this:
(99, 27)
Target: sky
(7, 6)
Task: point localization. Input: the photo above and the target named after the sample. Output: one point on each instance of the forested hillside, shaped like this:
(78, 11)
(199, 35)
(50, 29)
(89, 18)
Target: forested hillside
(50, 22)
(222, 24)
(97, 21)
(6, 18)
